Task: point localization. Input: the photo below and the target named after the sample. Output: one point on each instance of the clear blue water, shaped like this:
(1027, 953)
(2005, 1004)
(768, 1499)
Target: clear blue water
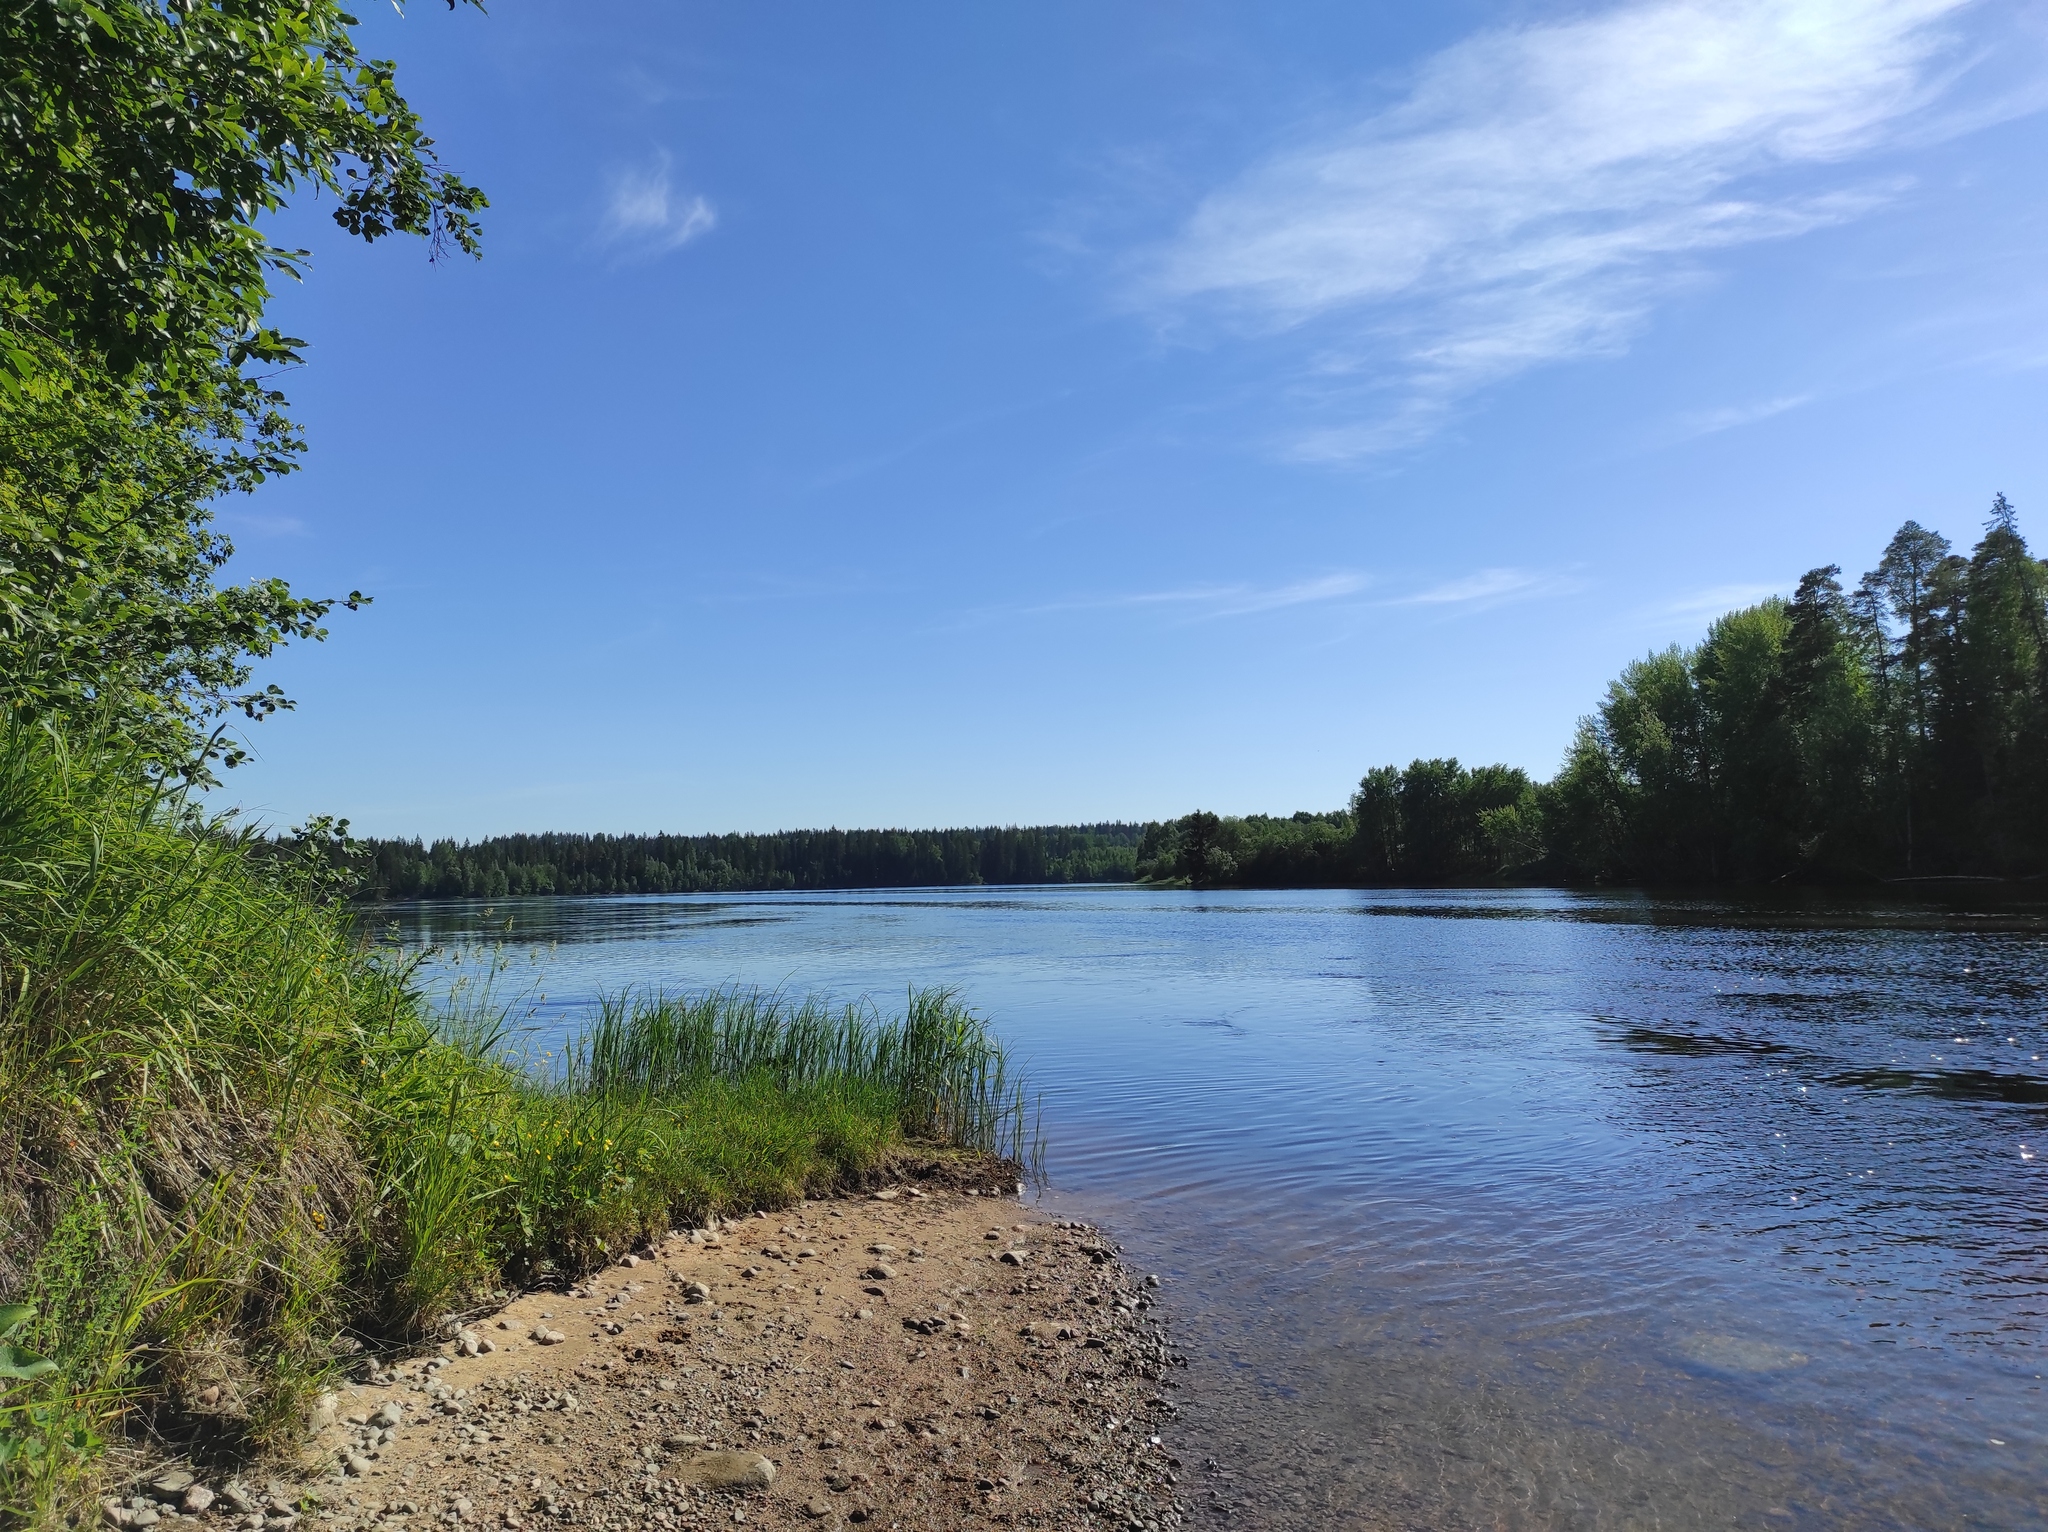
(1493, 1209)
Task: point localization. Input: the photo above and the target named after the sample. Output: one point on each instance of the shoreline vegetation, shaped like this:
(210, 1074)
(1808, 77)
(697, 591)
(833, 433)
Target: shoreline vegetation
(240, 1149)
(1897, 732)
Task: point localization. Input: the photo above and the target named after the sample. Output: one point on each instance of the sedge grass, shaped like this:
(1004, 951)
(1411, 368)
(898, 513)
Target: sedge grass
(238, 1145)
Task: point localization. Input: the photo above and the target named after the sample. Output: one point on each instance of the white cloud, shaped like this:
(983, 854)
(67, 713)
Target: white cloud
(646, 216)
(1202, 602)
(1489, 587)
(1714, 600)
(1729, 417)
(1539, 189)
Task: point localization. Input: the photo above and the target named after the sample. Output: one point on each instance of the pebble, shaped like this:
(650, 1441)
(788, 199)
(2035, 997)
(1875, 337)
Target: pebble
(880, 1272)
(197, 1500)
(389, 1416)
(728, 1470)
(817, 1508)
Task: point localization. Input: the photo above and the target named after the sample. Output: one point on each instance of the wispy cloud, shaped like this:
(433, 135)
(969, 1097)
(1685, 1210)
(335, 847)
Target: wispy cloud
(1205, 602)
(1538, 190)
(1713, 601)
(646, 216)
(1489, 587)
(1729, 417)
(1343, 588)
(262, 524)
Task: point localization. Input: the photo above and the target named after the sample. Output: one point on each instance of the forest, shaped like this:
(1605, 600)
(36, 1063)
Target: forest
(792, 859)
(1897, 730)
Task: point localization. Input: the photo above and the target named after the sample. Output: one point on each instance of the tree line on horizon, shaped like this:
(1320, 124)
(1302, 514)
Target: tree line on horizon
(1895, 730)
(511, 865)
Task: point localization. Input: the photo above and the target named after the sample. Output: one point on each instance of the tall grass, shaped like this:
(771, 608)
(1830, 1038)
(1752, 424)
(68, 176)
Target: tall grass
(238, 1145)
(942, 1072)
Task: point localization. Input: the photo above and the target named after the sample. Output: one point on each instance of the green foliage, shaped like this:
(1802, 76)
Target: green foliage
(109, 607)
(237, 1142)
(1434, 822)
(688, 864)
(142, 142)
(1899, 730)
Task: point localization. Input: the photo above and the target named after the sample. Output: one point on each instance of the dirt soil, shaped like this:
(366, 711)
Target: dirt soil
(909, 1359)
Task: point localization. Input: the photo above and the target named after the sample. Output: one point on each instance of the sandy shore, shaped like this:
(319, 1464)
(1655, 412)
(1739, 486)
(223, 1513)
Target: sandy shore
(911, 1359)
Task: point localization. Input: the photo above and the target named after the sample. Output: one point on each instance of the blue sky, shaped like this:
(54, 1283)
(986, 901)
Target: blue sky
(929, 414)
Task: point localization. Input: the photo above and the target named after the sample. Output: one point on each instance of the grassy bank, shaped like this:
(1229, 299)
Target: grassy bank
(239, 1147)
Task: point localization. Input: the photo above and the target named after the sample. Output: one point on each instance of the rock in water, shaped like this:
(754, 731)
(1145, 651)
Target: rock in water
(1735, 1353)
(729, 1470)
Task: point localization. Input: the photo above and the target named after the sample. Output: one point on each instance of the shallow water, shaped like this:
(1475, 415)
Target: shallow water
(1494, 1209)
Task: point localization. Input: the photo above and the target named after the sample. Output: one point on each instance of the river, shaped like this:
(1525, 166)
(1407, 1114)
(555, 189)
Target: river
(1489, 1208)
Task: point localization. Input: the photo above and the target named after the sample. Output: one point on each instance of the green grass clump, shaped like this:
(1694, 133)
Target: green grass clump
(238, 1145)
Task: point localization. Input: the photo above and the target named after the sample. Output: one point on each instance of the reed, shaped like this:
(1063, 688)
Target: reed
(240, 1146)
(941, 1071)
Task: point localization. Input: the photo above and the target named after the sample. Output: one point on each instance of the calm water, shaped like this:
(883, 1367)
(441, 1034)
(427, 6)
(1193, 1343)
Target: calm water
(1498, 1209)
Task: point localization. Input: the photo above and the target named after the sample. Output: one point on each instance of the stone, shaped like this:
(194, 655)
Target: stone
(630, 1261)
(238, 1498)
(696, 1292)
(464, 1507)
(147, 1517)
(543, 1336)
(817, 1509)
(196, 1501)
(728, 1470)
(864, 1314)
(1014, 1257)
(389, 1417)
(469, 1343)
(682, 1443)
(505, 1324)
(170, 1486)
(113, 1513)
(356, 1464)
(881, 1249)
(323, 1412)
(880, 1272)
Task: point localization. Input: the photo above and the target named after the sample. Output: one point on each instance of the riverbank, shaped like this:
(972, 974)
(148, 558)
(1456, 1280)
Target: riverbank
(926, 1356)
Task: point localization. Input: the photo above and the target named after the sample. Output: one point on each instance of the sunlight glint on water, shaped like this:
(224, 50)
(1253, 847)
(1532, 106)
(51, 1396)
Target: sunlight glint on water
(1513, 1209)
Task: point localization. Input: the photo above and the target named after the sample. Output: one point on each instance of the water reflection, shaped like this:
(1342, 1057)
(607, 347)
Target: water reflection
(1498, 1208)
